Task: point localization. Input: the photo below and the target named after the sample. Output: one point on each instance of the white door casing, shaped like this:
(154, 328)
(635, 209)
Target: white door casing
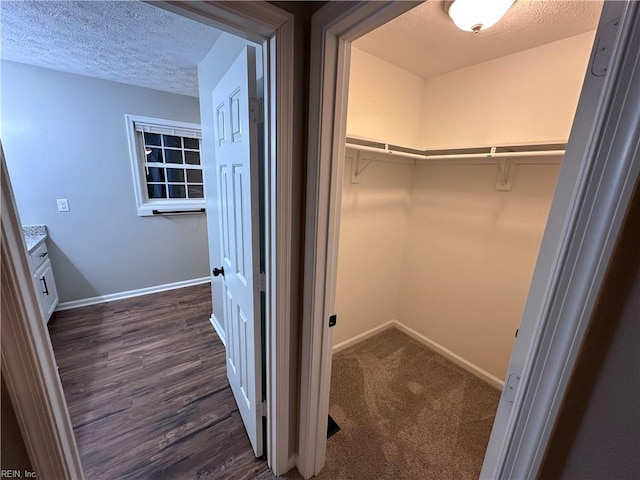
(236, 153)
(333, 28)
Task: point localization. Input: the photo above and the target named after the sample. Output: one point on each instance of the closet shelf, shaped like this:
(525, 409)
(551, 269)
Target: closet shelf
(475, 153)
(502, 156)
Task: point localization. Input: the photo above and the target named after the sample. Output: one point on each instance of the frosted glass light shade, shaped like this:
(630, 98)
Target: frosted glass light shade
(476, 15)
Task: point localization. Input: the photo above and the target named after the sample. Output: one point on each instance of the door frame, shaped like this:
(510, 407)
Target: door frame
(28, 365)
(588, 208)
(28, 362)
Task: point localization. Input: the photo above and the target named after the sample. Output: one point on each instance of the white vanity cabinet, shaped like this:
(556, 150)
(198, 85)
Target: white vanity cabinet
(43, 279)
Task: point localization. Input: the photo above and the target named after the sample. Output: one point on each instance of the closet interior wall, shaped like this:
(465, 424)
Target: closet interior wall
(436, 247)
(375, 212)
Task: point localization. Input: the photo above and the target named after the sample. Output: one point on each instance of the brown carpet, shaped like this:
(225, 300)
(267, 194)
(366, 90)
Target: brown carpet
(405, 412)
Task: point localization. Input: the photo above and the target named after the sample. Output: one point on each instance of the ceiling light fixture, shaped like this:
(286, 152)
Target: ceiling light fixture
(476, 15)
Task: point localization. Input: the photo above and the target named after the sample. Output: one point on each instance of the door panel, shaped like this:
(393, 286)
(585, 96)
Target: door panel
(236, 153)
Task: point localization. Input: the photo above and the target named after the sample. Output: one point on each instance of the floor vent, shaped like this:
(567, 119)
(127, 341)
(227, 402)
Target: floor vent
(332, 427)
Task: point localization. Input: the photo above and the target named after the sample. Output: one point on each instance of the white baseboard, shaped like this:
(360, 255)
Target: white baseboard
(448, 354)
(130, 294)
(363, 336)
(218, 328)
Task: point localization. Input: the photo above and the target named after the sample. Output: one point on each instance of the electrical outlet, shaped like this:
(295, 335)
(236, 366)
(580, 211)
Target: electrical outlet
(63, 204)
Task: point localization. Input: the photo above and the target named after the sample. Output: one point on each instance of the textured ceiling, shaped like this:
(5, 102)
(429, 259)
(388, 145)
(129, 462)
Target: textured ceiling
(425, 41)
(124, 41)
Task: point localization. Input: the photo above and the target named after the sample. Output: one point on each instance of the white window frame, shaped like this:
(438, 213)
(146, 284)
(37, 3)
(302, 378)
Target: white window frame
(147, 206)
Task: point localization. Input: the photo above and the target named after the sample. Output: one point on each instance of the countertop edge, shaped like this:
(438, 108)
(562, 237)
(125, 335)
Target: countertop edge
(34, 242)
(34, 235)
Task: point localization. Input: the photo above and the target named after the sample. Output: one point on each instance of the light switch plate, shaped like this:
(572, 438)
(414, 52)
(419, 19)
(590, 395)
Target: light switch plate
(63, 204)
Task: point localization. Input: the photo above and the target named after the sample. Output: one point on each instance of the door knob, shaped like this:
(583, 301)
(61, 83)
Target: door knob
(218, 271)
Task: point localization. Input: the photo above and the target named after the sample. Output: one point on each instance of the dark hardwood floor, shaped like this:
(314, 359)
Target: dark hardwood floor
(145, 381)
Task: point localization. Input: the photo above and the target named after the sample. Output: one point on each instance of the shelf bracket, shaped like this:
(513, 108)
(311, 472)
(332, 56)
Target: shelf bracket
(505, 175)
(357, 167)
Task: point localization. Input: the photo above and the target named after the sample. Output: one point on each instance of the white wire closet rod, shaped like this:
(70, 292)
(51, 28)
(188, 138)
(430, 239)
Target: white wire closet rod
(551, 150)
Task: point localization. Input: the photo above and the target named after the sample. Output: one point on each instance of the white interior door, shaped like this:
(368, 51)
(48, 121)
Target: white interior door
(236, 153)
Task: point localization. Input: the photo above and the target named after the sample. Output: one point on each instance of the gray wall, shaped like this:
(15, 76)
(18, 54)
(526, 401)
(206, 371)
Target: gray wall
(64, 136)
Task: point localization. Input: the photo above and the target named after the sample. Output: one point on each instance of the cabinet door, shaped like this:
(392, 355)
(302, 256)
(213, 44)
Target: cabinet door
(46, 287)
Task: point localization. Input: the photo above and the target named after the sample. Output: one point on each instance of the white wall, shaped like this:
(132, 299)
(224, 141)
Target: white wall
(384, 101)
(469, 250)
(64, 136)
(470, 256)
(530, 96)
(372, 238)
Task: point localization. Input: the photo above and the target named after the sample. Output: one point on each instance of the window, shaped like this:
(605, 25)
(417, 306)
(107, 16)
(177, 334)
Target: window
(167, 165)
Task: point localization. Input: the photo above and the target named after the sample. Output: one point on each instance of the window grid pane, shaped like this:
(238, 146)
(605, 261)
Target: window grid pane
(195, 191)
(177, 191)
(175, 175)
(191, 143)
(155, 174)
(172, 141)
(153, 154)
(194, 176)
(192, 157)
(152, 139)
(156, 190)
(173, 167)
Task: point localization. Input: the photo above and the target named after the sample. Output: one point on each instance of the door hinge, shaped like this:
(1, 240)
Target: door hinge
(332, 320)
(511, 388)
(604, 47)
(260, 282)
(261, 408)
(256, 110)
